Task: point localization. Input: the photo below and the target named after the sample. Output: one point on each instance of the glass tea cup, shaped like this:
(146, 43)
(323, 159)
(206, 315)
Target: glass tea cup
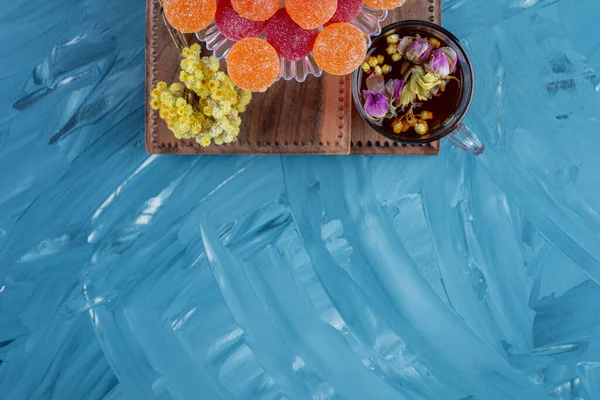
(452, 126)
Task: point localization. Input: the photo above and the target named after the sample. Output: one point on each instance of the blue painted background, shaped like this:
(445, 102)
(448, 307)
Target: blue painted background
(124, 276)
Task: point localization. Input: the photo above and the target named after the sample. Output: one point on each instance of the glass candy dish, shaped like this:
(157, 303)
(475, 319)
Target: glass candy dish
(368, 20)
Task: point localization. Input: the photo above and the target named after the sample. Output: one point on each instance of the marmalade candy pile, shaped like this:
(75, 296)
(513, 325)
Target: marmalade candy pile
(292, 32)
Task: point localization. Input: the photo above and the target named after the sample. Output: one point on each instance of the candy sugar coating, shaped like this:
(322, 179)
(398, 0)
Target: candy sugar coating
(190, 16)
(253, 64)
(384, 4)
(346, 11)
(233, 25)
(311, 14)
(288, 38)
(340, 48)
(256, 10)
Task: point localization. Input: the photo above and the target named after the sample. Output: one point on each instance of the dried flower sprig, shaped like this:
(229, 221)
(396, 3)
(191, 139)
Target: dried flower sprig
(206, 106)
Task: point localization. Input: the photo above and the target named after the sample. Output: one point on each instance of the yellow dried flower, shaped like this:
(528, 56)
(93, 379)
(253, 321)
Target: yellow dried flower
(217, 113)
(217, 95)
(214, 113)
(393, 39)
(204, 141)
(180, 103)
(221, 76)
(421, 127)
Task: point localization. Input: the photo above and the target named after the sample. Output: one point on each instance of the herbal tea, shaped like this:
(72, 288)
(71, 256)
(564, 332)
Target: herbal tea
(410, 85)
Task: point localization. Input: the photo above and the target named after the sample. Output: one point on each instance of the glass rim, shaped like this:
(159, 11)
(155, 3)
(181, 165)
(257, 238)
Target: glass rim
(466, 93)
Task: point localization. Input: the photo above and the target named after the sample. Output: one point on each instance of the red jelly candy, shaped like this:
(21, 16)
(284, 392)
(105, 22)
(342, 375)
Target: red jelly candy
(346, 11)
(233, 25)
(287, 37)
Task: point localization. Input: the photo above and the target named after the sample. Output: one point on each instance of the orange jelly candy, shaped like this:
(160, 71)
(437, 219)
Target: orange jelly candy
(311, 14)
(190, 16)
(340, 48)
(253, 64)
(256, 10)
(384, 4)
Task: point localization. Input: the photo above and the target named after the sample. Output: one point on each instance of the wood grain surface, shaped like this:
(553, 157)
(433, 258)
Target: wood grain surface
(313, 117)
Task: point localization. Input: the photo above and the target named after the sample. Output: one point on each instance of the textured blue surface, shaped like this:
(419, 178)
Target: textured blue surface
(124, 276)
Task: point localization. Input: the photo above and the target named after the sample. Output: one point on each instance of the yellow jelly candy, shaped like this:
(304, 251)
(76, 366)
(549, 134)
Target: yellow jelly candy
(340, 48)
(253, 64)
(311, 14)
(190, 16)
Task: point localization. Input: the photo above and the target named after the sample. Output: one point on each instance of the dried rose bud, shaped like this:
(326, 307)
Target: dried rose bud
(386, 69)
(418, 51)
(441, 63)
(376, 105)
(366, 67)
(421, 127)
(375, 83)
(451, 56)
(372, 61)
(394, 87)
(404, 43)
(393, 39)
(396, 57)
(380, 59)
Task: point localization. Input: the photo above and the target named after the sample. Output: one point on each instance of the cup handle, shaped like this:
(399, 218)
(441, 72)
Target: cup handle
(464, 138)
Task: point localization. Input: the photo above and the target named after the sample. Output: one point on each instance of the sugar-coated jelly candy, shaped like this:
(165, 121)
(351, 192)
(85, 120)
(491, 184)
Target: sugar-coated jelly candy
(233, 25)
(384, 4)
(340, 48)
(256, 10)
(253, 64)
(190, 16)
(311, 14)
(346, 11)
(290, 40)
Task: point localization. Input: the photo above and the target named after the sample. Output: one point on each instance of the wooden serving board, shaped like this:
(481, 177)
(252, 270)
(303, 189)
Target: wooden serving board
(313, 117)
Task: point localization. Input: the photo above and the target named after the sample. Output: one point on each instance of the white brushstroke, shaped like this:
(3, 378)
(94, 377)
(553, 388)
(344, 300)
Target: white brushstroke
(45, 248)
(528, 3)
(297, 364)
(178, 323)
(225, 341)
(120, 188)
